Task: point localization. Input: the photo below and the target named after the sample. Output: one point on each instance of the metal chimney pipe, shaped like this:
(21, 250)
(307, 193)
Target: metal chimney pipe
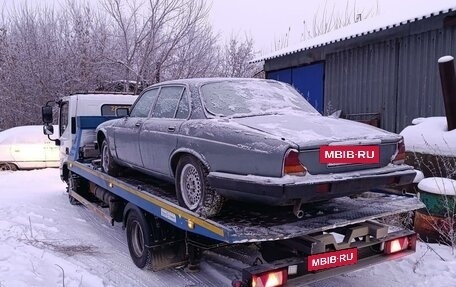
(448, 80)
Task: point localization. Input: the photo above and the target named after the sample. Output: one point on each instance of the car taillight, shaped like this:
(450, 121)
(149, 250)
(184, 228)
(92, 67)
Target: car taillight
(400, 153)
(270, 279)
(292, 165)
(400, 244)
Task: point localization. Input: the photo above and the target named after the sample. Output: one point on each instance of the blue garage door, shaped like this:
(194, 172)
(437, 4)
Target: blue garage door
(308, 80)
(281, 75)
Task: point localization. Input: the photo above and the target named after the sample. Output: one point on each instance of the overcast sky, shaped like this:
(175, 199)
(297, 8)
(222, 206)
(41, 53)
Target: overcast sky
(267, 21)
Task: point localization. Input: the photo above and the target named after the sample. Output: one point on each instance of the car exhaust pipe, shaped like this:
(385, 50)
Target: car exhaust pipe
(297, 211)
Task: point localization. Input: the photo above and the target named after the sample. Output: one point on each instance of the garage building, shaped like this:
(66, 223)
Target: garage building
(382, 70)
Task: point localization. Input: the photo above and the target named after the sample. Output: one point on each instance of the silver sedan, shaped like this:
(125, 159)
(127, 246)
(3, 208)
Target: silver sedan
(246, 140)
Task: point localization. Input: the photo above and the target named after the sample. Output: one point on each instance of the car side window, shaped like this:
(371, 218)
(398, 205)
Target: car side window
(144, 104)
(167, 102)
(184, 107)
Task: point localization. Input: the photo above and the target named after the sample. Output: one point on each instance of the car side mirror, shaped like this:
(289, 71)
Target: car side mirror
(46, 115)
(122, 112)
(336, 114)
(48, 130)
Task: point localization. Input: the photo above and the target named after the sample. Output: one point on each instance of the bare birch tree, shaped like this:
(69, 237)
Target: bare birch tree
(149, 35)
(46, 53)
(236, 56)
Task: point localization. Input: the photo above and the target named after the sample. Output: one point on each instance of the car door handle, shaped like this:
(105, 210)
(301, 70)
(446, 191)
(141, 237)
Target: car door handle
(138, 125)
(171, 129)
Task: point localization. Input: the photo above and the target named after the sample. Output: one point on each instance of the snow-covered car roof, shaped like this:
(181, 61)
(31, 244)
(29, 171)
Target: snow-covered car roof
(201, 81)
(23, 134)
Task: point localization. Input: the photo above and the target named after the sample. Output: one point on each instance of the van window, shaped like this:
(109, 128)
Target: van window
(63, 118)
(109, 110)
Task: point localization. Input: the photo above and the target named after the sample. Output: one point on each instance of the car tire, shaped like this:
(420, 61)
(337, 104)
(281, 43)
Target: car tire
(139, 237)
(107, 162)
(8, 166)
(193, 190)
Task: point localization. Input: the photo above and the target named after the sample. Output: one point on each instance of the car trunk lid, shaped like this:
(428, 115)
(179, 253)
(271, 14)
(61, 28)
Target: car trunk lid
(312, 131)
(309, 132)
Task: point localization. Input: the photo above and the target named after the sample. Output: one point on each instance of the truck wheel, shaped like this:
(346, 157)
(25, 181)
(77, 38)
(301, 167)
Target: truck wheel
(107, 162)
(74, 184)
(193, 190)
(73, 201)
(139, 238)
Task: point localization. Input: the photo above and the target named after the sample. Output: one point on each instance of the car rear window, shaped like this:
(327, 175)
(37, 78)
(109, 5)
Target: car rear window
(251, 97)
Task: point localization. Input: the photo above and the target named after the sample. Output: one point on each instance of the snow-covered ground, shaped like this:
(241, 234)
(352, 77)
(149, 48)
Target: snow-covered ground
(44, 241)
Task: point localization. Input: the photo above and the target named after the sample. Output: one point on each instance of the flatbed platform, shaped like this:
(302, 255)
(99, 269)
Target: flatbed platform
(242, 222)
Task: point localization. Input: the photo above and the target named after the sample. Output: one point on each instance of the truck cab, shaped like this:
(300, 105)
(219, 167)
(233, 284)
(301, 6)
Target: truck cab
(94, 104)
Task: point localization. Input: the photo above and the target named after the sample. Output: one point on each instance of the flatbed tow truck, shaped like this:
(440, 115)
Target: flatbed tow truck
(262, 246)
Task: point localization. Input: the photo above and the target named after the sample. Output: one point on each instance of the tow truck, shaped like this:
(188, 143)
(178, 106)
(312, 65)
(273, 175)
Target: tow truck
(261, 246)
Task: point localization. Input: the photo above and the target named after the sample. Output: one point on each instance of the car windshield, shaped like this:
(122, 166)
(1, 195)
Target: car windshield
(252, 97)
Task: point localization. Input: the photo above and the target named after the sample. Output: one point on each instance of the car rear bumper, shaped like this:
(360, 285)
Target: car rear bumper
(309, 188)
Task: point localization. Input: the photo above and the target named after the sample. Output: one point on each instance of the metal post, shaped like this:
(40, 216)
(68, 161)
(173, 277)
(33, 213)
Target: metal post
(448, 80)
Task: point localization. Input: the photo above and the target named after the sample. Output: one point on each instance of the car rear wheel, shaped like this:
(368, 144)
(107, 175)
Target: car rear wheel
(107, 162)
(8, 166)
(193, 190)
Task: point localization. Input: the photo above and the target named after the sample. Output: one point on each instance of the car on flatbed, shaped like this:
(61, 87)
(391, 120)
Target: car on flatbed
(249, 244)
(247, 140)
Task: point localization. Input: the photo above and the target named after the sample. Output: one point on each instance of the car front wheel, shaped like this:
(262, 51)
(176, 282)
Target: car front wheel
(193, 190)
(107, 162)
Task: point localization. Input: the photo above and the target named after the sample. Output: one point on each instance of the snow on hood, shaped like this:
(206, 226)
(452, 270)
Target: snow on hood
(312, 130)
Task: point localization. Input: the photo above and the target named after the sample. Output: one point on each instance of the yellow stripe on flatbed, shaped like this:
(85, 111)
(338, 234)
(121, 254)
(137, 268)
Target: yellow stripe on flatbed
(111, 182)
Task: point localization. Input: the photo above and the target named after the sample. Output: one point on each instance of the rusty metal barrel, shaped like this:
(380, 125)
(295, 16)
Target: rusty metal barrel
(436, 222)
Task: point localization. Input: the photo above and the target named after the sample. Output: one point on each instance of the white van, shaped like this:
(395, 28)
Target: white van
(26, 147)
